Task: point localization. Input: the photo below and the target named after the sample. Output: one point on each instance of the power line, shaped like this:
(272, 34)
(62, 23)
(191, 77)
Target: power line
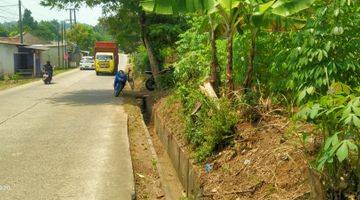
(7, 18)
(13, 5)
(8, 12)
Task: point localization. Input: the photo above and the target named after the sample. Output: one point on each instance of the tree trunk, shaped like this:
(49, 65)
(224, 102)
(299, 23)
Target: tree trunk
(249, 73)
(154, 64)
(229, 66)
(215, 75)
(317, 190)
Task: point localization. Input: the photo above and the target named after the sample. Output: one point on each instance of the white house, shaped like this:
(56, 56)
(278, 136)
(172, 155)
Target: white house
(7, 51)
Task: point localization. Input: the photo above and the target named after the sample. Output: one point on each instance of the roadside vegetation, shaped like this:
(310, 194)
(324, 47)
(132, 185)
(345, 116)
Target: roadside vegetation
(289, 62)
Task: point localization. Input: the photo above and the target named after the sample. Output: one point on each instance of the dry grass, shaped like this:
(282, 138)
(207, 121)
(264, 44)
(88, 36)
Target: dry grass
(263, 162)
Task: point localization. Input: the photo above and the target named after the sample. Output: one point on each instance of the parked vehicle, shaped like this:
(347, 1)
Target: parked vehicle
(87, 62)
(119, 82)
(106, 57)
(150, 82)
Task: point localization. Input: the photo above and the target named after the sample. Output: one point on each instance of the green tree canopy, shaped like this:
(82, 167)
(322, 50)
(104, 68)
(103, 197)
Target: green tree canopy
(82, 35)
(28, 21)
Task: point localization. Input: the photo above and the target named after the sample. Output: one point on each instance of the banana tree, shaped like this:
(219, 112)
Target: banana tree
(230, 12)
(215, 68)
(233, 13)
(271, 16)
(227, 9)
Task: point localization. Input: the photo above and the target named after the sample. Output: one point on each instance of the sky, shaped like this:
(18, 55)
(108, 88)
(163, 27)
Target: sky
(84, 15)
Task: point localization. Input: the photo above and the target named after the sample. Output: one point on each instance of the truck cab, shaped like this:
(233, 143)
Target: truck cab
(104, 63)
(106, 57)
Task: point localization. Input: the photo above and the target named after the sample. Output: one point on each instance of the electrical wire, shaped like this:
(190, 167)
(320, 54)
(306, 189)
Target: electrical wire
(4, 6)
(8, 12)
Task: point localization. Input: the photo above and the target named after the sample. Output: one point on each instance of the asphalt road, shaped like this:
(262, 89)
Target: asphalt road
(67, 140)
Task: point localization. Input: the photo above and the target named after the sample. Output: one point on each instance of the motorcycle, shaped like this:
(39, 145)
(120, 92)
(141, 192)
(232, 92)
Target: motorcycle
(119, 82)
(47, 77)
(150, 82)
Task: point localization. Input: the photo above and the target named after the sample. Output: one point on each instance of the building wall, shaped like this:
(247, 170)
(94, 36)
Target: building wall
(7, 58)
(52, 56)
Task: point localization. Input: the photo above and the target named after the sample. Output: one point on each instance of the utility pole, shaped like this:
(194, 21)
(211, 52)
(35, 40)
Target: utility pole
(66, 53)
(62, 43)
(74, 15)
(58, 34)
(20, 24)
(71, 21)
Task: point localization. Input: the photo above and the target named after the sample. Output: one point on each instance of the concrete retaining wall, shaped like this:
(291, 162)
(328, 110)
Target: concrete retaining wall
(180, 159)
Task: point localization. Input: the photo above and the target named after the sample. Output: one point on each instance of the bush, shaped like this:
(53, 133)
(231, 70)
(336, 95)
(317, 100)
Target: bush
(211, 127)
(140, 61)
(337, 117)
(193, 50)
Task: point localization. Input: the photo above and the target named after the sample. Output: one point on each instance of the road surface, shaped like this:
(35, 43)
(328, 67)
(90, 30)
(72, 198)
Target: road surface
(67, 140)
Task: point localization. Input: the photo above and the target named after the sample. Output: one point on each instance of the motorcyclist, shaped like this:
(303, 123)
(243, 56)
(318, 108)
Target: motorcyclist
(49, 68)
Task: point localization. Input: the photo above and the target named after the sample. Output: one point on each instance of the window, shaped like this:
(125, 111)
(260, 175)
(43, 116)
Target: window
(104, 57)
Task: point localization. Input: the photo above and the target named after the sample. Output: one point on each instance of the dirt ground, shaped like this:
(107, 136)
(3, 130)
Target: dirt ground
(264, 162)
(147, 181)
(155, 178)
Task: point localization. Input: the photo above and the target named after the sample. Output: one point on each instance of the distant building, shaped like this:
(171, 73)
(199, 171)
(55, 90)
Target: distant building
(6, 61)
(27, 59)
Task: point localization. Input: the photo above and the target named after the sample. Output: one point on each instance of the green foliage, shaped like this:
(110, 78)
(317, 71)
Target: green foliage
(123, 25)
(47, 30)
(28, 21)
(140, 60)
(82, 35)
(11, 78)
(337, 116)
(328, 49)
(211, 127)
(194, 52)
(3, 31)
(9, 29)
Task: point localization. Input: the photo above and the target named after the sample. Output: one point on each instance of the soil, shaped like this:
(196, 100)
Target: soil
(155, 177)
(147, 181)
(265, 161)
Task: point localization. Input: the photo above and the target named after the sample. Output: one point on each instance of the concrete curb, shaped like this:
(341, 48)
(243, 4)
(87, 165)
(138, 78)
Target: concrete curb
(133, 190)
(181, 161)
(155, 157)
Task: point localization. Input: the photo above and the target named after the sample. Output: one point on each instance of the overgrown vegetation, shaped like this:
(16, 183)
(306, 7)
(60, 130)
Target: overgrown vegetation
(296, 53)
(294, 60)
(209, 125)
(337, 117)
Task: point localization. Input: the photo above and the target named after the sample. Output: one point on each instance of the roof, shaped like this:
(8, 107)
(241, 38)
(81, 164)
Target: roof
(37, 47)
(9, 42)
(10, 39)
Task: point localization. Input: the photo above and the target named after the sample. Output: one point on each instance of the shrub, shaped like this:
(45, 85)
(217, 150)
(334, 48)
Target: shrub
(140, 60)
(211, 127)
(337, 117)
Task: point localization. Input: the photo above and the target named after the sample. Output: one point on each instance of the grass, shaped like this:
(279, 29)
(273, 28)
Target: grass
(16, 80)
